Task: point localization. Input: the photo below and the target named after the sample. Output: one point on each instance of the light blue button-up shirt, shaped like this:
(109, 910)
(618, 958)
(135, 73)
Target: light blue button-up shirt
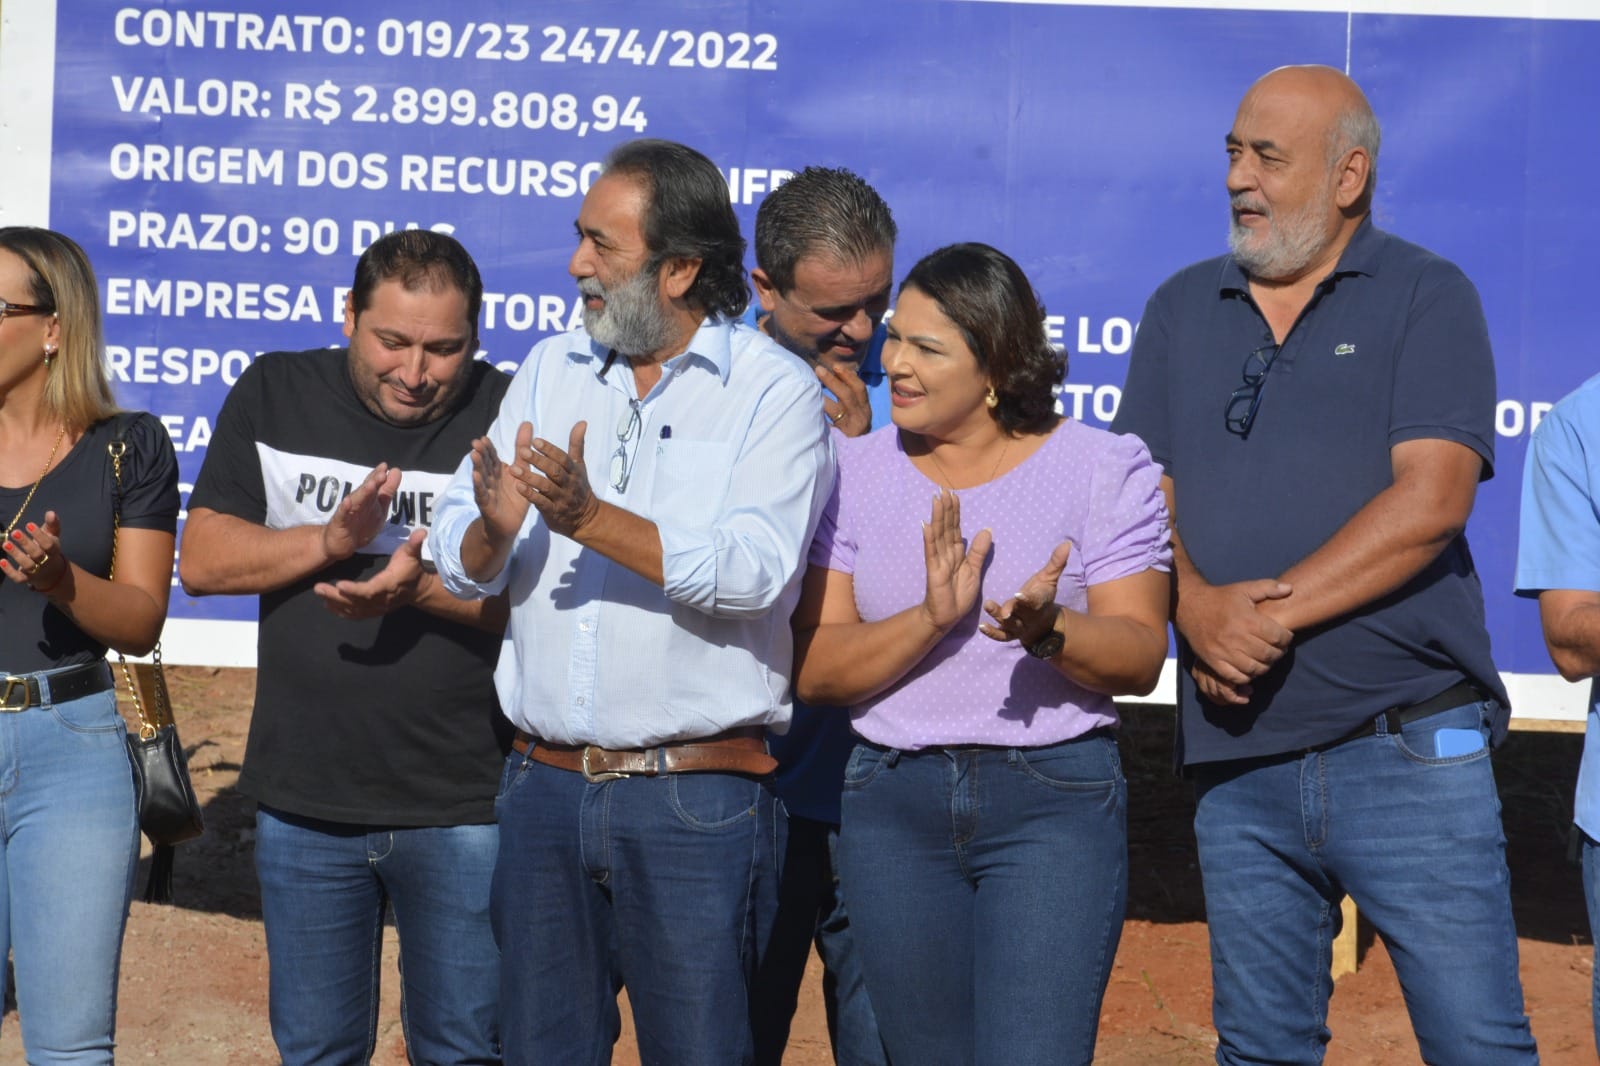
(733, 463)
(1559, 543)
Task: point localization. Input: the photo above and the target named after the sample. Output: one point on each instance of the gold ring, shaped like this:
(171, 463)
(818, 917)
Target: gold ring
(45, 558)
(836, 419)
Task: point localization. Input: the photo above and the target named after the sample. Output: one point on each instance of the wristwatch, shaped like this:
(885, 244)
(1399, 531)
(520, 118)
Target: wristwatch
(1049, 645)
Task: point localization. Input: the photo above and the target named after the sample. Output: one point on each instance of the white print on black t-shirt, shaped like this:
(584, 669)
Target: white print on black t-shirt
(305, 489)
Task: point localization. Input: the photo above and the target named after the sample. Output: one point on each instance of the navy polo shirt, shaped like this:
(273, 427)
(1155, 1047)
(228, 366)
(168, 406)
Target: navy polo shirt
(1392, 347)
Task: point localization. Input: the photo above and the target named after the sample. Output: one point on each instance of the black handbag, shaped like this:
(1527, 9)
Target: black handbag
(169, 811)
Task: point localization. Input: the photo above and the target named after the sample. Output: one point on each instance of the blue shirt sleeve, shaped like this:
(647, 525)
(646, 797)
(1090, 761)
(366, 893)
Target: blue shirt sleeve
(1559, 540)
(1444, 384)
(1142, 410)
(457, 509)
(780, 477)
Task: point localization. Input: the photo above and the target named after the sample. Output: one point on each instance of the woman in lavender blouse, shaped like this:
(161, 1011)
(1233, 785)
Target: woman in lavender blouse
(984, 845)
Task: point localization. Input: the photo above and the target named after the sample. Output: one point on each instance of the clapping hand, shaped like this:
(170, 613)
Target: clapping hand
(396, 585)
(955, 570)
(33, 555)
(500, 488)
(361, 515)
(1031, 613)
(560, 483)
(554, 482)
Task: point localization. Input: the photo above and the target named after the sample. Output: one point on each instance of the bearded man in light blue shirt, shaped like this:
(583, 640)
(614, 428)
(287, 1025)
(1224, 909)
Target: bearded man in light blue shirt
(653, 559)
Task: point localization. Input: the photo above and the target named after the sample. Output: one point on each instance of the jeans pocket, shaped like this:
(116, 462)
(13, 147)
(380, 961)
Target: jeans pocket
(1420, 741)
(1084, 764)
(515, 768)
(713, 801)
(96, 713)
(863, 765)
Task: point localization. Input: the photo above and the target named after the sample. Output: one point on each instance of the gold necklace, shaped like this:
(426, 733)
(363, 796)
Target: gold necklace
(29, 498)
(992, 472)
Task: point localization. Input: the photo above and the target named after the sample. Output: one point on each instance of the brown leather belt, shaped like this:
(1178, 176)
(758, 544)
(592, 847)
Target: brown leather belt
(738, 751)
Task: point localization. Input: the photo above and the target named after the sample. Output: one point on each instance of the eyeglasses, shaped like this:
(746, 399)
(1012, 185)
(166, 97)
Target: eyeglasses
(7, 309)
(1248, 395)
(627, 426)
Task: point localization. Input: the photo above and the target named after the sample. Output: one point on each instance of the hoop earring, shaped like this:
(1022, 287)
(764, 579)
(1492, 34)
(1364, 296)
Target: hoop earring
(992, 400)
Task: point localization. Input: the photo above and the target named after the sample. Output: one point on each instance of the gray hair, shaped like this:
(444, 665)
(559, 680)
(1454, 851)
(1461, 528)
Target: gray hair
(826, 211)
(1357, 127)
(689, 214)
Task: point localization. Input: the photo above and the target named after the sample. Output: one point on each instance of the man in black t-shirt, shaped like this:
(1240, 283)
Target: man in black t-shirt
(376, 742)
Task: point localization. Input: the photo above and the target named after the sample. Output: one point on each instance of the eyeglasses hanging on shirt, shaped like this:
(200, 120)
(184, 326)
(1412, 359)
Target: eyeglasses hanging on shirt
(627, 427)
(621, 461)
(1240, 413)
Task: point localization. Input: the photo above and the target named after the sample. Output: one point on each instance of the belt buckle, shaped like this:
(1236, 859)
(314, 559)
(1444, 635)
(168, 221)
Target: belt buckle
(595, 778)
(14, 685)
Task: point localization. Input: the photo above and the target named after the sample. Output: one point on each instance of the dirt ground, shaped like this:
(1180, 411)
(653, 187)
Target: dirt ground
(194, 975)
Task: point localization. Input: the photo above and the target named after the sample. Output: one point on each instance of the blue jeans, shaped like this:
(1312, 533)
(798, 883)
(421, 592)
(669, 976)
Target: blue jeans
(324, 889)
(987, 888)
(664, 884)
(69, 842)
(1414, 839)
(811, 908)
(1591, 895)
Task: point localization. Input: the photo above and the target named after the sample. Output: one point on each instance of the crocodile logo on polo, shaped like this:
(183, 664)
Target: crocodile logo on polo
(1345, 349)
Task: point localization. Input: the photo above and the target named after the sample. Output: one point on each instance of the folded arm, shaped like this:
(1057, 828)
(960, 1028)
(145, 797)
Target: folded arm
(1390, 540)
(1232, 639)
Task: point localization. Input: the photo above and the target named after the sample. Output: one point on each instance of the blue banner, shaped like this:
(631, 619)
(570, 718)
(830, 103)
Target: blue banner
(224, 165)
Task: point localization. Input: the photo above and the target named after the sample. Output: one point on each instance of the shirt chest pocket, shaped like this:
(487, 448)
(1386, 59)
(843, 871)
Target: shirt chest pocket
(690, 486)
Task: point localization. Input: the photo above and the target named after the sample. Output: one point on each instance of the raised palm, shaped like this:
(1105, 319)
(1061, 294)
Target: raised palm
(955, 568)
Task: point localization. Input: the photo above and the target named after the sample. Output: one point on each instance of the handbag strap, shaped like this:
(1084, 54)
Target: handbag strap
(150, 718)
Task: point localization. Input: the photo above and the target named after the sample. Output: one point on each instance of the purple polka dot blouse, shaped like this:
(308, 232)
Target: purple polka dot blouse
(1096, 489)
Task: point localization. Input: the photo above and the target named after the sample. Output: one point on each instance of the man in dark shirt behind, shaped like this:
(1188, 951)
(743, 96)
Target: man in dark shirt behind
(824, 267)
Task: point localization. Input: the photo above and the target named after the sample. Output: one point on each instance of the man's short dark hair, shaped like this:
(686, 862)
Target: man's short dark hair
(821, 211)
(418, 259)
(689, 215)
(990, 300)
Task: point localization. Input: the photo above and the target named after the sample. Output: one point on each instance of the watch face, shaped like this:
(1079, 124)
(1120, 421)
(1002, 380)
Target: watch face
(1047, 646)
